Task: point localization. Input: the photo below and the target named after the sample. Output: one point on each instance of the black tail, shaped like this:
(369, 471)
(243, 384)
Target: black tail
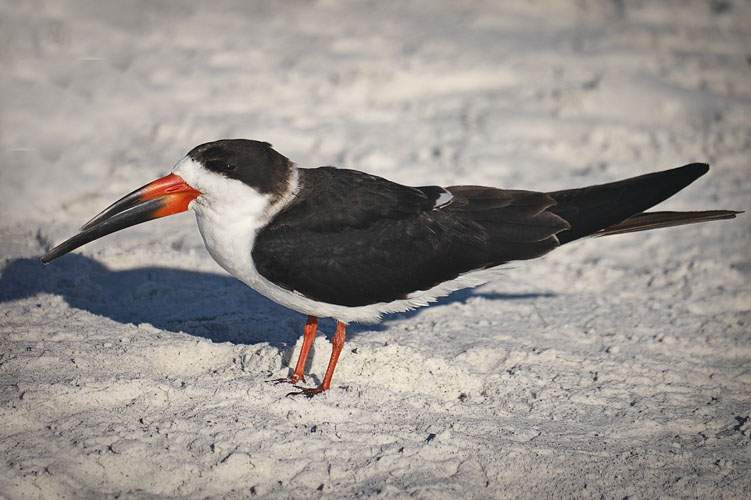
(618, 207)
(655, 220)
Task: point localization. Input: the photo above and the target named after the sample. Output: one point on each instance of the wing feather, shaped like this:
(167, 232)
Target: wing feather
(369, 240)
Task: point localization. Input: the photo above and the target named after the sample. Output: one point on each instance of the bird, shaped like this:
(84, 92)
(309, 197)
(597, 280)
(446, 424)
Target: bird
(345, 244)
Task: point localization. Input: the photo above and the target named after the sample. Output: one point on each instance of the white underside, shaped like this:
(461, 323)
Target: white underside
(229, 220)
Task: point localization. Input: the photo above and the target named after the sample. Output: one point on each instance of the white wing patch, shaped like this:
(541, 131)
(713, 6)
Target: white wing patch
(443, 199)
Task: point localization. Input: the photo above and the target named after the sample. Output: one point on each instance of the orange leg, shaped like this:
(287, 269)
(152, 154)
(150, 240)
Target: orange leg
(337, 343)
(309, 334)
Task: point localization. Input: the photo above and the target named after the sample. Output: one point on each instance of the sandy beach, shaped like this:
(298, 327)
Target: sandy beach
(615, 367)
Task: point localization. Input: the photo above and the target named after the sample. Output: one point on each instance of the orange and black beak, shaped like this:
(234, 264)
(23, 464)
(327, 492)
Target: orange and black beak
(166, 196)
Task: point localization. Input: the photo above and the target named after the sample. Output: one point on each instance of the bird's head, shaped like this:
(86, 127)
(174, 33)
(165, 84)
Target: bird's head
(231, 177)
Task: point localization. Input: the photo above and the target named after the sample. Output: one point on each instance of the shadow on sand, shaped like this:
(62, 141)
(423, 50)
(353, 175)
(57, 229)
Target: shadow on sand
(213, 306)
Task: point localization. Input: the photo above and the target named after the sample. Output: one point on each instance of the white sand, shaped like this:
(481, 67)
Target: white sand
(135, 368)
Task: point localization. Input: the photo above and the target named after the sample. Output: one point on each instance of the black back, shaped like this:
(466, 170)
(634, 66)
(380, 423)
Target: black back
(354, 239)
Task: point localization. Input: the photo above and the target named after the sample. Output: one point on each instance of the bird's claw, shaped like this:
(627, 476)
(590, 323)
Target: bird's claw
(293, 379)
(308, 392)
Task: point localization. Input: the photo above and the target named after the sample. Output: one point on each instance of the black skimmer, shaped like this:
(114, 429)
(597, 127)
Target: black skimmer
(338, 243)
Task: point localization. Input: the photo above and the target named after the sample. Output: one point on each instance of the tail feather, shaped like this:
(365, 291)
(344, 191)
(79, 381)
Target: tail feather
(596, 208)
(655, 220)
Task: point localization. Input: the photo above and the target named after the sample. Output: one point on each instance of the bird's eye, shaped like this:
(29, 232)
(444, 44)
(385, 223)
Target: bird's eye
(221, 166)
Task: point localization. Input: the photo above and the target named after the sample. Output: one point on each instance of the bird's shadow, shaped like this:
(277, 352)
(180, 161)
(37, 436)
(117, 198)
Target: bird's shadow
(209, 305)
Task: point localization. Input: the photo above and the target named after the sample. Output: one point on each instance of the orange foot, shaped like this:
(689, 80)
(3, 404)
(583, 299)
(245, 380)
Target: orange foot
(336, 348)
(309, 391)
(292, 379)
